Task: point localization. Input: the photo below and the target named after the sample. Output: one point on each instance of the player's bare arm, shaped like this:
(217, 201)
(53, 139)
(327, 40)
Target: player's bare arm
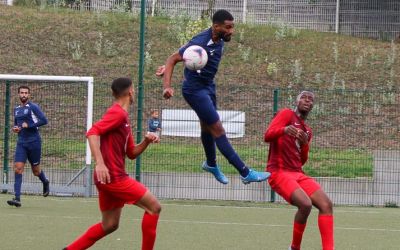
(149, 138)
(100, 169)
(172, 60)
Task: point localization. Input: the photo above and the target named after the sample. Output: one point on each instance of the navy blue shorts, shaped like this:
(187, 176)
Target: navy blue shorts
(30, 151)
(204, 103)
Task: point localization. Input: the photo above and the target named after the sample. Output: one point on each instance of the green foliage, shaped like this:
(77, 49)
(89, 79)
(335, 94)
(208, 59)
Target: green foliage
(391, 204)
(182, 28)
(26, 3)
(75, 49)
(285, 31)
(272, 69)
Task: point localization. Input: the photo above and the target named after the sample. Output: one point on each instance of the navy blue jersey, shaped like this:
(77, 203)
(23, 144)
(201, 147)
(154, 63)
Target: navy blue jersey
(206, 75)
(34, 117)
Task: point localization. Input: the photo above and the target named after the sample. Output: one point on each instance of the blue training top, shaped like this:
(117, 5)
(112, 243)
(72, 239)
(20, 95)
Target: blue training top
(34, 117)
(214, 51)
(153, 124)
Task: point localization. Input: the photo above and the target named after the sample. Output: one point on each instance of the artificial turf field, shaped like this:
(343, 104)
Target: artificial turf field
(53, 222)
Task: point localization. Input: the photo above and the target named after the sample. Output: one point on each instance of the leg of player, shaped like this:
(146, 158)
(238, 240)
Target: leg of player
(36, 170)
(150, 219)
(210, 165)
(247, 175)
(304, 205)
(325, 218)
(34, 154)
(109, 223)
(18, 170)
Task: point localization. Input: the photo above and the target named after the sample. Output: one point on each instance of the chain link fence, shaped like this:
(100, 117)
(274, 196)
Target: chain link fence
(355, 152)
(374, 19)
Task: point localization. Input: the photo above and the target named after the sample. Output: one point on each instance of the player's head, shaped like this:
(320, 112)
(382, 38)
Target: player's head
(154, 113)
(223, 24)
(122, 88)
(24, 93)
(305, 102)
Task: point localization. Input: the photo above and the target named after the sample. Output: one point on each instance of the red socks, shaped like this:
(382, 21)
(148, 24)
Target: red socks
(93, 234)
(298, 230)
(325, 224)
(149, 227)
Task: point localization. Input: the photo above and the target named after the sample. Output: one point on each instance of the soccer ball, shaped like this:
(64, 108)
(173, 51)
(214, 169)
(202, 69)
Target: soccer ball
(195, 57)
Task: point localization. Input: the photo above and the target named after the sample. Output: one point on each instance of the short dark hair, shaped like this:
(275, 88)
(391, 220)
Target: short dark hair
(120, 85)
(24, 87)
(220, 16)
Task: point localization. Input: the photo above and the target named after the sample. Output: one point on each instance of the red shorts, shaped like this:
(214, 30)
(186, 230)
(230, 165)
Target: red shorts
(116, 195)
(286, 182)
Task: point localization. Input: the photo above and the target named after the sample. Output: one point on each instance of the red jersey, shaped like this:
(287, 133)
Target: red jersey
(285, 152)
(116, 141)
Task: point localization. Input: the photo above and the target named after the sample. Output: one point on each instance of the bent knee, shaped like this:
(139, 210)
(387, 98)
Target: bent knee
(305, 206)
(109, 228)
(155, 209)
(19, 170)
(326, 207)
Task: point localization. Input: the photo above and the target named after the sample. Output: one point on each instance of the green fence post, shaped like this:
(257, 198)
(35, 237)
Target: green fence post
(275, 109)
(140, 84)
(6, 135)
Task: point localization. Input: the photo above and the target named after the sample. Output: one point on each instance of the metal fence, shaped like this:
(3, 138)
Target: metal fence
(376, 19)
(355, 152)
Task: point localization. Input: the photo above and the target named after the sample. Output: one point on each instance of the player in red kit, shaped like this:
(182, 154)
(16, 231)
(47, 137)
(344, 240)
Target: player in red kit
(110, 140)
(289, 137)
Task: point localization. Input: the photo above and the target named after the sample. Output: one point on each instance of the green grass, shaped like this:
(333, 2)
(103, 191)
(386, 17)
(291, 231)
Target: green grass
(52, 223)
(179, 157)
(348, 163)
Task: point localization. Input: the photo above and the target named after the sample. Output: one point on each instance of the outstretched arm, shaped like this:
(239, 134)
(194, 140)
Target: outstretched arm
(166, 71)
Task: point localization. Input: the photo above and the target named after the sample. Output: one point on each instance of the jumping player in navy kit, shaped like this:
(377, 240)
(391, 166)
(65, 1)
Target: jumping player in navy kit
(199, 92)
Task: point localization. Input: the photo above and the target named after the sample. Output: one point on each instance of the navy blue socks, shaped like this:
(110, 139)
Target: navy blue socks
(17, 186)
(42, 177)
(227, 150)
(209, 148)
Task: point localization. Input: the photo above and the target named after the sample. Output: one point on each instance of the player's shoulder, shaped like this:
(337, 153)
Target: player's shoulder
(286, 111)
(33, 105)
(116, 110)
(202, 38)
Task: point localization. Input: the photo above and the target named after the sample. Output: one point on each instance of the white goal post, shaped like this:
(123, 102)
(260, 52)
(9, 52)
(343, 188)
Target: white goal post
(89, 117)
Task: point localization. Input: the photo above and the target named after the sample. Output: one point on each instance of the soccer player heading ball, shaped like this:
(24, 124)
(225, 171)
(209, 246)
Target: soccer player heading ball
(110, 141)
(289, 138)
(198, 89)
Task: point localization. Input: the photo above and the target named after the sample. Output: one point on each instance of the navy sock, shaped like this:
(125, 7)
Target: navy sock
(227, 150)
(209, 148)
(17, 186)
(42, 177)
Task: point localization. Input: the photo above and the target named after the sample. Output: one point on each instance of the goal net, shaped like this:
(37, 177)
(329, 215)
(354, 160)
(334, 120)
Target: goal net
(67, 102)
